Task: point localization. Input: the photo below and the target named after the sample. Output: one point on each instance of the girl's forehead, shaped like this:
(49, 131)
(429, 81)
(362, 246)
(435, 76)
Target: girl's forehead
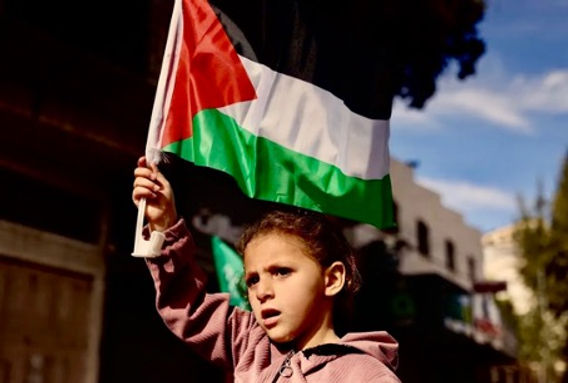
(275, 239)
(275, 245)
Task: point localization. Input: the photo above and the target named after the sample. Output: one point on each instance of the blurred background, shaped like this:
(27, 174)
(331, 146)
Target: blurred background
(472, 281)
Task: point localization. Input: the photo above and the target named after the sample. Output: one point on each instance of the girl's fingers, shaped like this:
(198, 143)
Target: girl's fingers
(158, 176)
(153, 174)
(144, 172)
(162, 180)
(142, 192)
(145, 182)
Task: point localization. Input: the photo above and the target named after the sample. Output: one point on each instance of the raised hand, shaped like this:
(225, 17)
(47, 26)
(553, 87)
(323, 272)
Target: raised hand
(149, 183)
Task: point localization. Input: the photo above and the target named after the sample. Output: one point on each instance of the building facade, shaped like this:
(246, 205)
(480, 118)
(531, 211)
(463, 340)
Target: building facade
(436, 303)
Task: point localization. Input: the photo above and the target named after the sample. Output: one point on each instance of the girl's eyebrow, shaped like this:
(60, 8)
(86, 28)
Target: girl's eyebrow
(270, 267)
(250, 273)
(279, 266)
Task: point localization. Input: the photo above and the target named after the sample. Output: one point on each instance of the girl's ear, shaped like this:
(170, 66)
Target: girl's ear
(334, 278)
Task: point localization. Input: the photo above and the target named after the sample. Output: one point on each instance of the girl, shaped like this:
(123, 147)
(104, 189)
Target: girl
(300, 277)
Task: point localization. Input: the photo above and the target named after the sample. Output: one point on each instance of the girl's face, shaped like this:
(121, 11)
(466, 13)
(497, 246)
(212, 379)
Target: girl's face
(286, 289)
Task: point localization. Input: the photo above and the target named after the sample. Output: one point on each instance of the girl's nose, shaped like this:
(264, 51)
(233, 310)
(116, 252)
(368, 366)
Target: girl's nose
(264, 290)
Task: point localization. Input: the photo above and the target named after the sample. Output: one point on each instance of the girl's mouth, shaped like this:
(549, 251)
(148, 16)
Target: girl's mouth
(270, 317)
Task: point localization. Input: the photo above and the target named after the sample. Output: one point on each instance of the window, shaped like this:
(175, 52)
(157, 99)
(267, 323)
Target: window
(394, 229)
(423, 241)
(450, 255)
(471, 268)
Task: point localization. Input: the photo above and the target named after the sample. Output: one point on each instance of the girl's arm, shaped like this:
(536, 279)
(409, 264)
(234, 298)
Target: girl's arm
(214, 329)
(206, 321)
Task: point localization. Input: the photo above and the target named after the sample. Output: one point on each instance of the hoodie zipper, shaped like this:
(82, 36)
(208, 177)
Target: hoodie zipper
(285, 369)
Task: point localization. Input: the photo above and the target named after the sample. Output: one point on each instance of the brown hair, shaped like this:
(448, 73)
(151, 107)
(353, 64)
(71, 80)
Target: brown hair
(323, 240)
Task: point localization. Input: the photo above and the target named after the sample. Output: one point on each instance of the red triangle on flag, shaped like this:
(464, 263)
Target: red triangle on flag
(209, 72)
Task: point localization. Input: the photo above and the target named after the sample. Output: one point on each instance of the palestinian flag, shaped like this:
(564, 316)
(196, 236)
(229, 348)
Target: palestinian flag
(272, 115)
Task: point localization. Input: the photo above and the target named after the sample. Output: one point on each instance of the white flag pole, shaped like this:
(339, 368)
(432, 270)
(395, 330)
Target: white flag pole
(142, 247)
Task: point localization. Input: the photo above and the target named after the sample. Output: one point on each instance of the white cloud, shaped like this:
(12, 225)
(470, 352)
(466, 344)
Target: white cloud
(493, 96)
(464, 196)
(412, 119)
(485, 104)
(548, 93)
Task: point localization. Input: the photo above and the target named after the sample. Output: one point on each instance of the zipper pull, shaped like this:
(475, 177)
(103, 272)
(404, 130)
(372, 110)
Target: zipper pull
(286, 369)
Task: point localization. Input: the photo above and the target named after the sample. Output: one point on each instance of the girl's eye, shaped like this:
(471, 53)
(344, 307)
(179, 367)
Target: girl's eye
(251, 281)
(282, 271)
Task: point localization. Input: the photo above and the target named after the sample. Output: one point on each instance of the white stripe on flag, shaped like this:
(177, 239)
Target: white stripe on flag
(307, 119)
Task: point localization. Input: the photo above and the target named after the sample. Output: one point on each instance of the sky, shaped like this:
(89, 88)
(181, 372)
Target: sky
(482, 142)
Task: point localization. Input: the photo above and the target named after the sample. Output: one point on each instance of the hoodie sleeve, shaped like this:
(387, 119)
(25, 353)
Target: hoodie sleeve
(206, 322)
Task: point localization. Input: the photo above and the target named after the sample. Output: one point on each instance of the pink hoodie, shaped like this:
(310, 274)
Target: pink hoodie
(231, 337)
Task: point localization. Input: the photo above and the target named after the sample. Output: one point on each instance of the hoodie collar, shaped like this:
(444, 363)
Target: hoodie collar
(378, 344)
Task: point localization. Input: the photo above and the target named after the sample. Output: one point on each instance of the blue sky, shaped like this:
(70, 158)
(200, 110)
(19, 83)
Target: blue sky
(482, 142)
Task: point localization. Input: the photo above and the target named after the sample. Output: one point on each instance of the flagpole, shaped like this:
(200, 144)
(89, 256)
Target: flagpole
(165, 86)
(142, 247)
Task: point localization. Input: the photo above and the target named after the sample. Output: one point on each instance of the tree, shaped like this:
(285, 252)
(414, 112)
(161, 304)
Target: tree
(431, 35)
(543, 242)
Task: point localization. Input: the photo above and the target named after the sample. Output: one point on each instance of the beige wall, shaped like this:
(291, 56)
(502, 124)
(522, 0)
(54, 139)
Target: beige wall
(502, 263)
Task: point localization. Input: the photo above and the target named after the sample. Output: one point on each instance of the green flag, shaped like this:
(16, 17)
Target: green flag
(230, 272)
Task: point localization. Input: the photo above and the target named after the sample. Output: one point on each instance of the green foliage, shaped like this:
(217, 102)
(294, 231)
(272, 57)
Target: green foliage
(542, 238)
(557, 267)
(542, 337)
(544, 246)
(433, 34)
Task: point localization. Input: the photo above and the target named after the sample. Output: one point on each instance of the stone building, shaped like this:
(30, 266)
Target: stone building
(437, 307)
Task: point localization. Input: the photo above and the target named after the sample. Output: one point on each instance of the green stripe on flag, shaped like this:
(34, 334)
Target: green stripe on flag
(271, 172)
(230, 272)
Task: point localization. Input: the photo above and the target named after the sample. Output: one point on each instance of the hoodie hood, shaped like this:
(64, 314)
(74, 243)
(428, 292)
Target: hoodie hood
(378, 344)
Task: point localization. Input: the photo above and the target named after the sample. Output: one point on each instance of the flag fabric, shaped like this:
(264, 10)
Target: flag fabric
(285, 135)
(230, 272)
